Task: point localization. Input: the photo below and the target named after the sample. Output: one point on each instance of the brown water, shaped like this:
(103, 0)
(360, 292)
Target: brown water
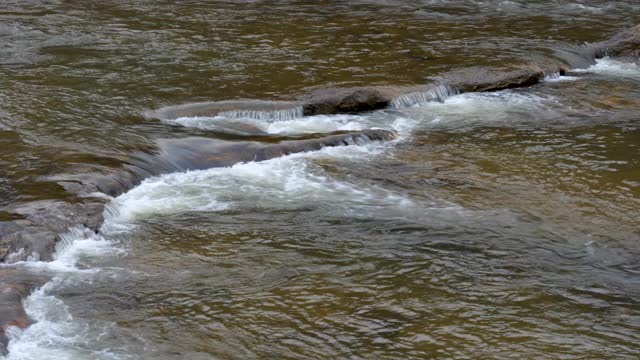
(501, 225)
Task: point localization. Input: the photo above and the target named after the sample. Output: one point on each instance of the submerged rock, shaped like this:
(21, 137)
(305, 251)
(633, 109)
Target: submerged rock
(197, 153)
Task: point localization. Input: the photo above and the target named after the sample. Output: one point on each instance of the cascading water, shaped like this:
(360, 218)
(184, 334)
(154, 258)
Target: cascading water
(264, 115)
(499, 225)
(438, 93)
(270, 184)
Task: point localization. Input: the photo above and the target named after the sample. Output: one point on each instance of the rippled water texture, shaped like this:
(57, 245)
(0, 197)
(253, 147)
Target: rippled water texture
(499, 225)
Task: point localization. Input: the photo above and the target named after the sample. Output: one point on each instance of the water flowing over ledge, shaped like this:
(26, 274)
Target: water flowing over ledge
(325, 101)
(331, 101)
(437, 93)
(232, 109)
(268, 115)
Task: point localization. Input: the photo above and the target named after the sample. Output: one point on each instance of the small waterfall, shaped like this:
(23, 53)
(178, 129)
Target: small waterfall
(552, 77)
(264, 115)
(438, 93)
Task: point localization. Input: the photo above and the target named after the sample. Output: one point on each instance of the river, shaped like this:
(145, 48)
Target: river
(498, 225)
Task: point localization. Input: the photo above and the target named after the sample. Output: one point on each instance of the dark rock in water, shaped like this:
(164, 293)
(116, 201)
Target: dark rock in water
(198, 153)
(35, 233)
(345, 100)
(624, 44)
(482, 79)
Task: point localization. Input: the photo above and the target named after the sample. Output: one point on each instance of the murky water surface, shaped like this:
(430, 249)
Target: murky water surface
(500, 225)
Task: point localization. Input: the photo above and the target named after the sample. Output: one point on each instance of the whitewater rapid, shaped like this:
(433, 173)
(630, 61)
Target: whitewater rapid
(278, 183)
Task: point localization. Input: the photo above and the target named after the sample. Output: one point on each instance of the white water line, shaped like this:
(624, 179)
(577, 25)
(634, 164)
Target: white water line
(264, 115)
(437, 93)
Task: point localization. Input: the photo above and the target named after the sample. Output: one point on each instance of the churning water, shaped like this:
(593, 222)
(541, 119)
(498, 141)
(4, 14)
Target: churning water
(498, 225)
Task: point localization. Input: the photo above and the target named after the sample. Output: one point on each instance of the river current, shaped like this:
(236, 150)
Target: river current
(498, 225)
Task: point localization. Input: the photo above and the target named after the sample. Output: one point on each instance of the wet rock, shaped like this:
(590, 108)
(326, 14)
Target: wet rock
(345, 100)
(58, 216)
(34, 242)
(624, 44)
(34, 237)
(197, 153)
(483, 79)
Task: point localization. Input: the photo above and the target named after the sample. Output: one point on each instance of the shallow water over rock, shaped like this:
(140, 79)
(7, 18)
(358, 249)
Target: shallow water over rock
(497, 225)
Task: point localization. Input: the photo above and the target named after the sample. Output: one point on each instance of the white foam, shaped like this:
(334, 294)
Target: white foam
(79, 243)
(318, 124)
(55, 335)
(286, 182)
(301, 125)
(74, 245)
(289, 182)
(473, 108)
(556, 77)
(404, 126)
(611, 67)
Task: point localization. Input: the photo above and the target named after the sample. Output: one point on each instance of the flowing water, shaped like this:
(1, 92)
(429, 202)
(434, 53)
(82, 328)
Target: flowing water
(499, 225)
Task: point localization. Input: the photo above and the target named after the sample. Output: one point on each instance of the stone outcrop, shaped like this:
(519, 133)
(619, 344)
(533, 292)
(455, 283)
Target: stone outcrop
(483, 79)
(203, 153)
(345, 100)
(325, 101)
(36, 239)
(624, 44)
